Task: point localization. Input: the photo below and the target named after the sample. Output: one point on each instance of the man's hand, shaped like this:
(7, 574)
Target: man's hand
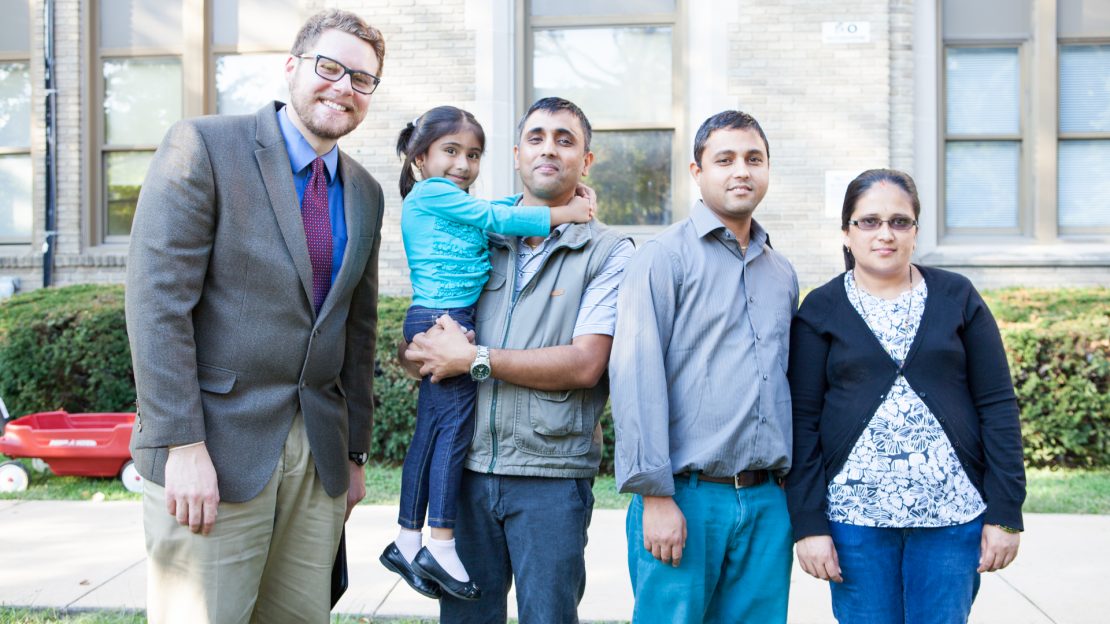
(664, 529)
(410, 364)
(356, 490)
(192, 493)
(997, 549)
(817, 556)
(444, 350)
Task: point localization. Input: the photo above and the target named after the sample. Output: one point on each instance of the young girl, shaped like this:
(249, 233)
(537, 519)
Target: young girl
(444, 231)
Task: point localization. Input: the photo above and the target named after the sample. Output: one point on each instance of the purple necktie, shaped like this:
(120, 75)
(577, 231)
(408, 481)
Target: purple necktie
(317, 230)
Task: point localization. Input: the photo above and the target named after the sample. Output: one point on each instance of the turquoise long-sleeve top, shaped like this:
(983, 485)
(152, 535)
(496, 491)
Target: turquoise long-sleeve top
(444, 232)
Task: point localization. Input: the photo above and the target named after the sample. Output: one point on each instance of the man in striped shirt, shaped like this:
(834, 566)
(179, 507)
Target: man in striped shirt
(545, 322)
(700, 399)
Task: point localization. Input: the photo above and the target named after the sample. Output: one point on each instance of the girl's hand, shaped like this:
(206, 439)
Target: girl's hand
(817, 556)
(581, 190)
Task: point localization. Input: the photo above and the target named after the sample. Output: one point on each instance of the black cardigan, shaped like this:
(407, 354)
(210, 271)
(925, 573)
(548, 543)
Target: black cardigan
(839, 375)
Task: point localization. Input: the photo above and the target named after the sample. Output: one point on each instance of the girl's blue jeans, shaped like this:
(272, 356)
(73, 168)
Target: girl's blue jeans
(906, 576)
(444, 426)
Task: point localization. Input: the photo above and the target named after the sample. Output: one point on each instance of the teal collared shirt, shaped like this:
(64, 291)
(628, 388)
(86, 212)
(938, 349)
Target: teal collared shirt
(301, 156)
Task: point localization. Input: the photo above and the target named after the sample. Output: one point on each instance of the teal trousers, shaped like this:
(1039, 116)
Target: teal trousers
(736, 564)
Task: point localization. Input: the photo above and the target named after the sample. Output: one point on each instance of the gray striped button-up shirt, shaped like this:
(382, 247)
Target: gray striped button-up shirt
(698, 369)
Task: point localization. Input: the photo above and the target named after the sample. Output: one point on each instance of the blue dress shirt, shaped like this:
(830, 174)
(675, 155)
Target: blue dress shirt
(301, 156)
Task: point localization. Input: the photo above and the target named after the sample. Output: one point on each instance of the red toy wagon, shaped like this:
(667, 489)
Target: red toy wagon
(85, 445)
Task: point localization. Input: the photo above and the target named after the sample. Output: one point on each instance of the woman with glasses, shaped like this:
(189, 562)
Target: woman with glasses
(907, 478)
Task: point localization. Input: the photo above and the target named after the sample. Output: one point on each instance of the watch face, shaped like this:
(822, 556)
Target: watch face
(480, 371)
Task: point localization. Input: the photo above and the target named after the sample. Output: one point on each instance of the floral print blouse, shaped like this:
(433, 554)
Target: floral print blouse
(902, 471)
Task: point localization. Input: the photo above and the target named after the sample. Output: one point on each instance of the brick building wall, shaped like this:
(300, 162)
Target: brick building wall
(826, 107)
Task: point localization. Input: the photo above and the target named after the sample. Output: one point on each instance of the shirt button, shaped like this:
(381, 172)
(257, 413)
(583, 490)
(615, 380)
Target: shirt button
(765, 378)
(759, 336)
(303, 385)
(763, 420)
(751, 299)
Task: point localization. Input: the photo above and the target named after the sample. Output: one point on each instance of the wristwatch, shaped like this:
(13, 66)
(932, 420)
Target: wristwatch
(359, 458)
(479, 368)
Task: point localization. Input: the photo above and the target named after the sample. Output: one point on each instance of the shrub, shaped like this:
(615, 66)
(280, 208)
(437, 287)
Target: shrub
(394, 392)
(1058, 346)
(65, 348)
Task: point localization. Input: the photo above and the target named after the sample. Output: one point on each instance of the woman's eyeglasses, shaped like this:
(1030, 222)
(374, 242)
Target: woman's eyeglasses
(870, 224)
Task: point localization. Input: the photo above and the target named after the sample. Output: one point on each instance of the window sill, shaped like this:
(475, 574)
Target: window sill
(1019, 254)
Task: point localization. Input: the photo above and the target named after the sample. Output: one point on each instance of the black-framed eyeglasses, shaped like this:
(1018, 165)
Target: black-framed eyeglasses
(333, 70)
(870, 224)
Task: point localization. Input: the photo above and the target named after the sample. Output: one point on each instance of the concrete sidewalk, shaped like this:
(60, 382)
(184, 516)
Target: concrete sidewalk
(89, 555)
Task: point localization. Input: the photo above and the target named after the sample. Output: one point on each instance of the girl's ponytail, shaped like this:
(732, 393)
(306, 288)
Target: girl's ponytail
(407, 180)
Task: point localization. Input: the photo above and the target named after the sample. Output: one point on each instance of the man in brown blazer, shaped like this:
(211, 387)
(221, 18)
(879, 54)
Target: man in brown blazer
(251, 310)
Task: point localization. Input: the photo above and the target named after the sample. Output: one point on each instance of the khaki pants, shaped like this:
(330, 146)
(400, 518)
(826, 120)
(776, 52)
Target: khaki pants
(266, 560)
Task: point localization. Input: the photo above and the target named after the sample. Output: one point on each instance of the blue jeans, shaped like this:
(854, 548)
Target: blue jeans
(906, 576)
(736, 564)
(444, 426)
(531, 529)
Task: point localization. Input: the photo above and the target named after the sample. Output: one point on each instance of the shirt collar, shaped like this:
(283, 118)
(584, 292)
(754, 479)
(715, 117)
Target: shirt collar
(555, 233)
(300, 152)
(705, 222)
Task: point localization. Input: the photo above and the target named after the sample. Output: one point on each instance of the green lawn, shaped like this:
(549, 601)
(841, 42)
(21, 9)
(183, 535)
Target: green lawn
(1049, 491)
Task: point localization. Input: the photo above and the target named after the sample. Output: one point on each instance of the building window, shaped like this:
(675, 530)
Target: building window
(614, 59)
(1026, 120)
(15, 126)
(250, 42)
(982, 153)
(1083, 184)
(145, 72)
(141, 92)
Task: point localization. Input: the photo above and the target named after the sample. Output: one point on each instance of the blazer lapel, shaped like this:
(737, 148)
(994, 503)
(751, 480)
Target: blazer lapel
(354, 204)
(277, 175)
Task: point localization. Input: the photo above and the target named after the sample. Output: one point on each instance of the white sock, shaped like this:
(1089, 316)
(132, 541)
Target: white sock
(447, 558)
(408, 542)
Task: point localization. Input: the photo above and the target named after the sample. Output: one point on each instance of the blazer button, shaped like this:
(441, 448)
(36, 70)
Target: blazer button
(923, 395)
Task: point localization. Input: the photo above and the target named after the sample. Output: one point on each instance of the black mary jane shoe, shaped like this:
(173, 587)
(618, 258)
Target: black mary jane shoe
(426, 565)
(393, 560)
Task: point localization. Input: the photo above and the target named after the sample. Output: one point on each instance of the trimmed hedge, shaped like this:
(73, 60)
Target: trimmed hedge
(1058, 346)
(67, 348)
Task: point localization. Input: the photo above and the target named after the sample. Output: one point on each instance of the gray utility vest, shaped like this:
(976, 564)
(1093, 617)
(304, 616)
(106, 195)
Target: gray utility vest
(536, 433)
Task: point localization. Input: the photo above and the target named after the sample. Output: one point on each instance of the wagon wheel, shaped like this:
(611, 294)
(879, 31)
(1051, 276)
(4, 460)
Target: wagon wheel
(39, 465)
(129, 475)
(13, 477)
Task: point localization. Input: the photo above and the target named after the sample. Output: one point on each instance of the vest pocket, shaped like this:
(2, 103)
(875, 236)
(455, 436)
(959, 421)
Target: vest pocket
(552, 424)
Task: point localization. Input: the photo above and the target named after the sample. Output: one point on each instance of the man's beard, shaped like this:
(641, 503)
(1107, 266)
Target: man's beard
(303, 106)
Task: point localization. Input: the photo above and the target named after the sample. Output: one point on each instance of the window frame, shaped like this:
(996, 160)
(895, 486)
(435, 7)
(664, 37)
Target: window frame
(20, 57)
(527, 25)
(1084, 233)
(1038, 212)
(197, 55)
(1024, 222)
(96, 163)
